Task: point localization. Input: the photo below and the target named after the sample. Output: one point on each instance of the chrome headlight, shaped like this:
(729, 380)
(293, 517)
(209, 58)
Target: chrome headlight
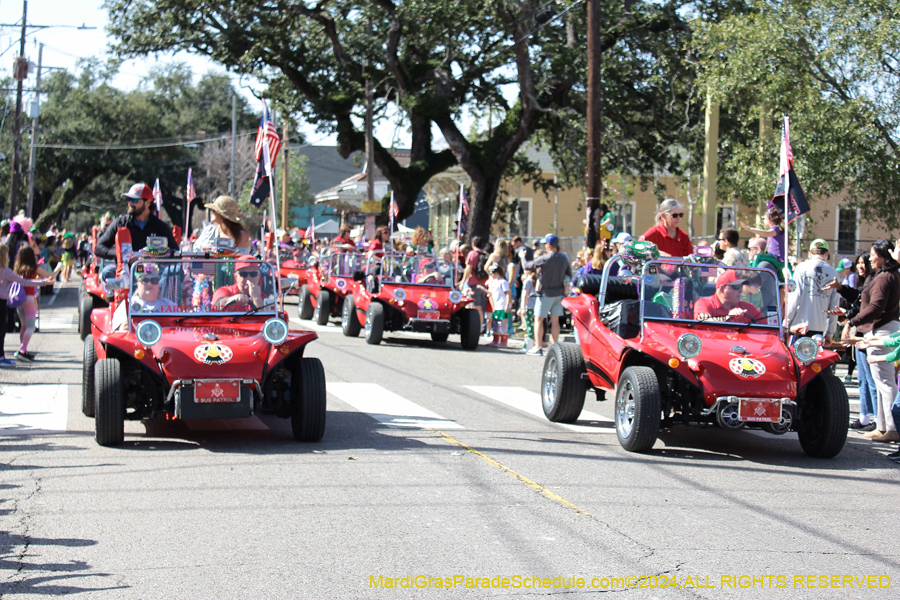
(805, 349)
(148, 332)
(455, 296)
(819, 339)
(275, 331)
(399, 294)
(689, 345)
(312, 261)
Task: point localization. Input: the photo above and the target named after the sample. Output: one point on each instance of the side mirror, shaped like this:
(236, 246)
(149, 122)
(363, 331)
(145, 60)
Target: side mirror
(288, 283)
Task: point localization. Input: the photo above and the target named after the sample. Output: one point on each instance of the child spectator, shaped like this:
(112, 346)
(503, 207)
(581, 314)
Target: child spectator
(500, 298)
(526, 308)
(27, 268)
(7, 277)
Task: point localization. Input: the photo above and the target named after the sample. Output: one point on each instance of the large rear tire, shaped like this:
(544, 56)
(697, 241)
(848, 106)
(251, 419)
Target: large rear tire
(470, 329)
(323, 307)
(638, 409)
(823, 412)
(87, 376)
(375, 323)
(109, 403)
(305, 309)
(308, 400)
(85, 308)
(349, 321)
(562, 388)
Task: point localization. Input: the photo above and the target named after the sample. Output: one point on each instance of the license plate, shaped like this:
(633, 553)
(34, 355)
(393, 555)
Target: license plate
(207, 391)
(760, 410)
(429, 315)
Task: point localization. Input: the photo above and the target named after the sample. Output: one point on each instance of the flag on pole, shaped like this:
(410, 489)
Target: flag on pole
(268, 145)
(311, 233)
(189, 196)
(157, 197)
(394, 210)
(462, 213)
(788, 198)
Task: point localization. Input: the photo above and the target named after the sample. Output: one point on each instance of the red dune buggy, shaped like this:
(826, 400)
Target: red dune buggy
(409, 292)
(327, 284)
(690, 342)
(294, 263)
(91, 294)
(192, 337)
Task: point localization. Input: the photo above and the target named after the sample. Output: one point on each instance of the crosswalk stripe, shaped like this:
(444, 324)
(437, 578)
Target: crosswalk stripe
(530, 402)
(33, 409)
(388, 408)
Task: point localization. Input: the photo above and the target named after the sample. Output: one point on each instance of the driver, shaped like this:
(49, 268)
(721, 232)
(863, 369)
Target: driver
(146, 292)
(246, 291)
(428, 272)
(725, 304)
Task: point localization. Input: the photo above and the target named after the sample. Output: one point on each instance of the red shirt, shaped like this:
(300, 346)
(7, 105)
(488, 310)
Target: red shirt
(472, 261)
(679, 246)
(232, 290)
(711, 306)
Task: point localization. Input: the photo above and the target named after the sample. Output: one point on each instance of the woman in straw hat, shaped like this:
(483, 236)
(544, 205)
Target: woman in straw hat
(225, 222)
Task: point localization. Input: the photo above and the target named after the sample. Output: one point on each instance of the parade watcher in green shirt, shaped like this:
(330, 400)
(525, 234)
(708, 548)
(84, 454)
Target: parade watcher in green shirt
(891, 341)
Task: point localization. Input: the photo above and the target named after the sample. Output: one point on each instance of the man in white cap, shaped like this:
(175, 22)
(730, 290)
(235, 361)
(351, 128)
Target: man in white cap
(554, 268)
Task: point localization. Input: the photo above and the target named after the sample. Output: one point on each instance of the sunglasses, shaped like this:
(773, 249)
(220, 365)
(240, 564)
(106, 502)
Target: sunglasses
(676, 215)
(735, 286)
(246, 274)
(134, 200)
(149, 280)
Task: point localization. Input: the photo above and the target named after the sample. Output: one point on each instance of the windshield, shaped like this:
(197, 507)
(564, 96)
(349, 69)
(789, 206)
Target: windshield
(341, 264)
(400, 267)
(299, 255)
(709, 293)
(209, 286)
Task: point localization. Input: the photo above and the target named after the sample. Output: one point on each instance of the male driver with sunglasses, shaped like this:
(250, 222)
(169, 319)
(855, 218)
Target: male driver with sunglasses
(246, 292)
(725, 304)
(140, 222)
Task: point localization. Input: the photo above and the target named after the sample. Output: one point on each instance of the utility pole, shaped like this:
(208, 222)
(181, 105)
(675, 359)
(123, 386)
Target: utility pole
(29, 212)
(233, 142)
(21, 72)
(370, 145)
(284, 177)
(594, 122)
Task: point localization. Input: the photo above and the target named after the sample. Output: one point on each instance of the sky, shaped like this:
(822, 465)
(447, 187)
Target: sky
(64, 46)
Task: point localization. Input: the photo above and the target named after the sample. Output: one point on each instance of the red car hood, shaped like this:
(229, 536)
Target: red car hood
(763, 369)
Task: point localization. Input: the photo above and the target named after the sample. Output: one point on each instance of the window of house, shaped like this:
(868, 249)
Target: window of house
(520, 217)
(624, 214)
(725, 217)
(847, 225)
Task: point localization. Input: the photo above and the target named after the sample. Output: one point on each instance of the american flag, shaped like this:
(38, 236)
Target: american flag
(191, 192)
(394, 210)
(157, 196)
(462, 214)
(267, 136)
(787, 154)
(311, 233)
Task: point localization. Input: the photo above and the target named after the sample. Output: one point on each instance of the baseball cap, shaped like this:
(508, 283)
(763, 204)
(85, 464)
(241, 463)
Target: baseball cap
(245, 260)
(729, 276)
(819, 244)
(845, 263)
(622, 238)
(550, 239)
(139, 190)
(493, 267)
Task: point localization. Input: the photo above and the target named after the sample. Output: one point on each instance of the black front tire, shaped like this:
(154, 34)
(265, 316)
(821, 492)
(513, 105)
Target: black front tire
(638, 409)
(323, 307)
(109, 403)
(562, 387)
(87, 376)
(470, 329)
(308, 400)
(375, 323)
(349, 321)
(85, 308)
(439, 337)
(823, 415)
(305, 309)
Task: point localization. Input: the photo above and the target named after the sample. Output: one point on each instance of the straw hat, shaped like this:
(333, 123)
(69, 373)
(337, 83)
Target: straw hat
(227, 207)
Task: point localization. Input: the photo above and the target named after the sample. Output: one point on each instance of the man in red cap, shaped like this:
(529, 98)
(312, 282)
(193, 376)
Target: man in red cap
(140, 222)
(246, 292)
(725, 304)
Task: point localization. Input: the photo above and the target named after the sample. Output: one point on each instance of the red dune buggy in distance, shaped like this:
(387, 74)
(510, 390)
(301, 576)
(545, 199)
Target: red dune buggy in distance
(294, 263)
(91, 293)
(409, 292)
(328, 281)
(676, 353)
(188, 337)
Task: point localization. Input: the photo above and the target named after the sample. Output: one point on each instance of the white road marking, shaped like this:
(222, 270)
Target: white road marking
(530, 402)
(33, 409)
(54, 322)
(388, 408)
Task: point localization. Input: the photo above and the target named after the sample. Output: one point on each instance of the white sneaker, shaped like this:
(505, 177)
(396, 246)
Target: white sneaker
(536, 351)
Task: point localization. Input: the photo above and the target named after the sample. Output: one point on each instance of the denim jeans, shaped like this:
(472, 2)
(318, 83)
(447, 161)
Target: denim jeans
(868, 395)
(895, 408)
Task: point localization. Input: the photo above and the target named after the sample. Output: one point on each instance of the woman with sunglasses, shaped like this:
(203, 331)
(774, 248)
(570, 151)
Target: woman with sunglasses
(669, 239)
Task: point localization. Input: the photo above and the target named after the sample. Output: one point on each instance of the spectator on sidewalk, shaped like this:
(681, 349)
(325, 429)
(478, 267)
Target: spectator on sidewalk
(809, 306)
(846, 273)
(526, 307)
(501, 300)
(27, 268)
(475, 281)
(554, 268)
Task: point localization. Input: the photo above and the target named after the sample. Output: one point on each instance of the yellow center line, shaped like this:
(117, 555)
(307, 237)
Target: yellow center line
(532, 484)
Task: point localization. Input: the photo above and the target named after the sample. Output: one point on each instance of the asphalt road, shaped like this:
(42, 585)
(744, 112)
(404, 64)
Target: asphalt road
(437, 468)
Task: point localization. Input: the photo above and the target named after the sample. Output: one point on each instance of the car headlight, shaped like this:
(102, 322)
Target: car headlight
(455, 296)
(275, 331)
(819, 339)
(148, 332)
(399, 294)
(805, 349)
(689, 345)
(312, 261)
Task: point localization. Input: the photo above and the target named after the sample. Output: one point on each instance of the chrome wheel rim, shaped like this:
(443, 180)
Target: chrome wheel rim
(550, 377)
(368, 327)
(625, 410)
